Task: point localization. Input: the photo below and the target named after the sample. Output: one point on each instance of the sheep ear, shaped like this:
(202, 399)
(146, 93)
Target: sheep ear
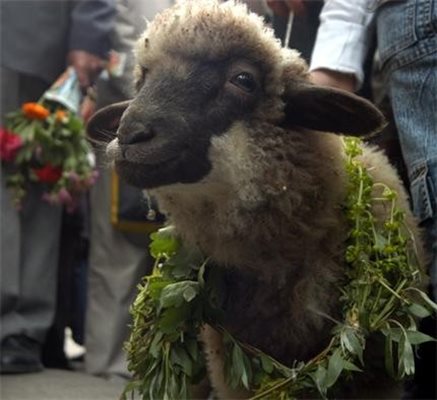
(103, 125)
(331, 110)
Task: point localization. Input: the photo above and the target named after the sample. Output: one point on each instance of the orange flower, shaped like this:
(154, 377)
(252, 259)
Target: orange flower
(35, 111)
(61, 116)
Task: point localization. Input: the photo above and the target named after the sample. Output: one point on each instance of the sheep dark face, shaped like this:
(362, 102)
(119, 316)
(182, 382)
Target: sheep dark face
(165, 132)
(204, 67)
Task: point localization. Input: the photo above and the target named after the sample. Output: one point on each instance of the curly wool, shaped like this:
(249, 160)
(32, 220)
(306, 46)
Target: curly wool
(270, 209)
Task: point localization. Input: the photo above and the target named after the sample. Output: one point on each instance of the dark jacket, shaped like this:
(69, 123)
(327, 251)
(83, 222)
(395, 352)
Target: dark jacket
(36, 35)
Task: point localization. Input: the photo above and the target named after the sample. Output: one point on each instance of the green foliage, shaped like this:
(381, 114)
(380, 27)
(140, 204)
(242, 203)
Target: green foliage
(379, 294)
(383, 268)
(163, 351)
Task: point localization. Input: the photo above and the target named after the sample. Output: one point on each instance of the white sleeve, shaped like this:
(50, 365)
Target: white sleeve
(343, 36)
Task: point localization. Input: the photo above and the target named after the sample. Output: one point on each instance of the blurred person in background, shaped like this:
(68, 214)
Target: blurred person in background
(39, 39)
(118, 259)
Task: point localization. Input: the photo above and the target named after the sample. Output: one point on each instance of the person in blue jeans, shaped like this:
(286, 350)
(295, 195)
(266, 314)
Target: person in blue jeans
(407, 45)
(406, 32)
(407, 48)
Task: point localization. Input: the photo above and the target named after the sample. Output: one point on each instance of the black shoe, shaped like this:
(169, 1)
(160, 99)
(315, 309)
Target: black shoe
(20, 354)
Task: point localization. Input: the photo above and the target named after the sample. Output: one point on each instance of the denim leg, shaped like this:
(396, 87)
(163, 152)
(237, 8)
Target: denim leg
(413, 91)
(407, 42)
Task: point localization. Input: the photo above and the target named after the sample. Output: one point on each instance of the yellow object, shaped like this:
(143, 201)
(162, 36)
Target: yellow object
(126, 225)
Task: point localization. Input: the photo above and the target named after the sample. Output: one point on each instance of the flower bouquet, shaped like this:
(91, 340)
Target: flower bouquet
(44, 143)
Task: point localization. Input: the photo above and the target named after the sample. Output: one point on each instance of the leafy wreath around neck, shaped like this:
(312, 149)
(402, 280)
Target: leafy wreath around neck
(378, 295)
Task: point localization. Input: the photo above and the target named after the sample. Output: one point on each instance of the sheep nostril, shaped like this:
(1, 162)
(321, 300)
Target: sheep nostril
(136, 136)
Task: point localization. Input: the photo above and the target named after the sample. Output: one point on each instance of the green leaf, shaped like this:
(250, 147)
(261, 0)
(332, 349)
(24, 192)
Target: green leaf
(380, 241)
(150, 368)
(245, 379)
(319, 377)
(155, 285)
(405, 357)
(395, 334)
(75, 124)
(350, 341)
(347, 365)
(247, 373)
(425, 297)
(266, 363)
(172, 319)
(174, 294)
(163, 243)
(416, 337)
(239, 368)
(28, 132)
(184, 392)
(66, 133)
(335, 366)
(191, 292)
(237, 365)
(419, 310)
(184, 264)
(24, 155)
(155, 345)
(180, 357)
(70, 163)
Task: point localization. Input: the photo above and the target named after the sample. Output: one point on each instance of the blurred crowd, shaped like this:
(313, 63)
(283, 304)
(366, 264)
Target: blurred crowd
(78, 269)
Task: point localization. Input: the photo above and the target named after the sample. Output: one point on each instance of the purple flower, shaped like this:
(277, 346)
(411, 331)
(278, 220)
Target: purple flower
(64, 196)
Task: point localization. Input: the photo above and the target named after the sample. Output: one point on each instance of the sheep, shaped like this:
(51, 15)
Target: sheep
(245, 156)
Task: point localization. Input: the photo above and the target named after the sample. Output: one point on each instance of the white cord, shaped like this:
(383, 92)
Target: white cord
(289, 27)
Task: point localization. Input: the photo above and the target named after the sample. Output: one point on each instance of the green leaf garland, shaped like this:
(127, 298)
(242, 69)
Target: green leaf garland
(379, 295)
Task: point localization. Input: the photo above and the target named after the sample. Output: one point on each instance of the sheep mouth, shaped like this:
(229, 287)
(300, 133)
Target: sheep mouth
(147, 175)
(151, 157)
(144, 153)
(177, 169)
(157, 163)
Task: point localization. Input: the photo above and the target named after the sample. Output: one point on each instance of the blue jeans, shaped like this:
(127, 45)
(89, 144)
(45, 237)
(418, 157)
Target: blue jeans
(407, 45)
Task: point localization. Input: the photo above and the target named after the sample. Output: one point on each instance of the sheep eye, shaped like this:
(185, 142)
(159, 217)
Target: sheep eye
(245, 81)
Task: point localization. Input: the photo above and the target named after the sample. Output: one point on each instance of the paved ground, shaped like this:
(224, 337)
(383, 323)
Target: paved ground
(54, 384)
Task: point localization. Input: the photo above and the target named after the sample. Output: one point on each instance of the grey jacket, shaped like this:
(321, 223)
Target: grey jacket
(36, 35)
(131, 21)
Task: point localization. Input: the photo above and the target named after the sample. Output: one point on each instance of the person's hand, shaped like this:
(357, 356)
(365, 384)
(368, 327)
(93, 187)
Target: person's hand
(87, 66)
(283, 7)
(87, 108)
(339, 80)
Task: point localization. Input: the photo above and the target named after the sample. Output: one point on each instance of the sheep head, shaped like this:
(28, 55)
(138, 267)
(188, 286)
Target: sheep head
(203, 68)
